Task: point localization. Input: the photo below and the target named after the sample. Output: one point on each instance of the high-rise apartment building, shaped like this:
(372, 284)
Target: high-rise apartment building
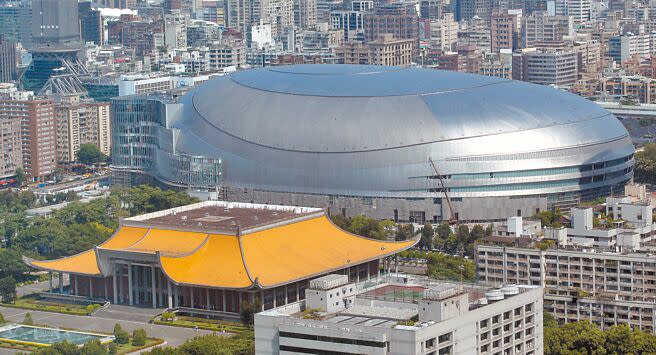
(390, 51)
(539, 28)
(305, 14)
(119, 4)
(16, 22)
(350, 22)
(397, 19)
(175, 30)
(38, 133)
(546, 67)
(578, 9)
(80, 122)
(603, 288)
(223, 55)
(430, 9)
(55, 22)
(11, 157)
(385, 50)
(504, 31)
(238, 15)
(629, 46)
(91, 24)
(468, 9)
(279, 13)
(444, 33)
(7, 60)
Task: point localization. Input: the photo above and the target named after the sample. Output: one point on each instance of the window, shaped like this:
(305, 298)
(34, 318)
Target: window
(484, 323)
(518, 311)
(506, 315)
(430, 344)
(495, 319)
(444, 338)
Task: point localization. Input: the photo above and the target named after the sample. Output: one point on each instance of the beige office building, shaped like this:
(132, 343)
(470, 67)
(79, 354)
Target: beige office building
(80, 123)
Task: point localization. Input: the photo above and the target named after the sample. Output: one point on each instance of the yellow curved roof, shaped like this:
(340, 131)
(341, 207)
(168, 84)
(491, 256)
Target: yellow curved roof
(276, 256)
(85, 262)
(167, 242)
(270, 257)
(217, 263)
(311, 247)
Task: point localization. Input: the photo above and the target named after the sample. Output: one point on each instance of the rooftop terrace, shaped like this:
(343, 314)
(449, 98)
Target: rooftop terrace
(218, 215)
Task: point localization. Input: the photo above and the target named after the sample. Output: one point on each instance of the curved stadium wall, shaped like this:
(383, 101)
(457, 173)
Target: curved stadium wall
(357, 140)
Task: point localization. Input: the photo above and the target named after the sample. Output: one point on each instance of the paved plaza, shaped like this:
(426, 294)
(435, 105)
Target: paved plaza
(132, 319)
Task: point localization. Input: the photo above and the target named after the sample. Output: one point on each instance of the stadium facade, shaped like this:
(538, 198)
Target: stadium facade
(358, 140)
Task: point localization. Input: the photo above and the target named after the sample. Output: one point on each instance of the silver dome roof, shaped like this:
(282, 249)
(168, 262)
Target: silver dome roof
(351, 108)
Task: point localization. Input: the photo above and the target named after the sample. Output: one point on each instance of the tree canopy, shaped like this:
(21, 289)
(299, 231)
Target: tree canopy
(366, 226)
(90, 154)
(583, 337)
(75, 228)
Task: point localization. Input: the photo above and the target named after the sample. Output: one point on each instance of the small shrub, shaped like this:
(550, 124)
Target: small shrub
(28, 319)
(168, 316)
(112, 349)
(122, 337)
(139, 337)
(2, 319)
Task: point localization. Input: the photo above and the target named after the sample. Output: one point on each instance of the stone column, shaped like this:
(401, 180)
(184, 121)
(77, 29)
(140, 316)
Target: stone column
(61, 283)
(191, 297)
(153, 286)
(130, 295)
(50, 273)
(90, 286)
(77, 292)
(207, 298)
(169, 293)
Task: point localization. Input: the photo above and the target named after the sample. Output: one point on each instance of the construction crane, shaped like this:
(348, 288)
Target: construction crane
(453, 220)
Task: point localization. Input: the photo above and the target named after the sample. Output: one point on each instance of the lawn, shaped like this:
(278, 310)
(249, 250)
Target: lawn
(35, 303)
(205, 324)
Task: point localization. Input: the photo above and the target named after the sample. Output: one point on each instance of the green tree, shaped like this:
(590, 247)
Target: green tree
(93, 347)
(341, 221)
(89, 154)
(241, 344)
(427, 235)
(447, 267)
(139, 337)
(7, 289)
(13, 265)
(112, 348)
(27, 320)
(248, 310)
(19, 176)
(405, 231)
(120, 335)
(62, 348)
(366, 227)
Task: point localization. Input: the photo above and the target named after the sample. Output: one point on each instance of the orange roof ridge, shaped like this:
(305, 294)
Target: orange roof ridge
(191, 252)
(219, 253)
(65, 264)
(140, 239)
(256, 281)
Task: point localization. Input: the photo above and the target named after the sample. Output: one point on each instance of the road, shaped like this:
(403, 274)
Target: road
(40, 286)
(104, 323)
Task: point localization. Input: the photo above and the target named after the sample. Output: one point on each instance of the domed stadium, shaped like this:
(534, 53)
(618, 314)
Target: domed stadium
(360, 140)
